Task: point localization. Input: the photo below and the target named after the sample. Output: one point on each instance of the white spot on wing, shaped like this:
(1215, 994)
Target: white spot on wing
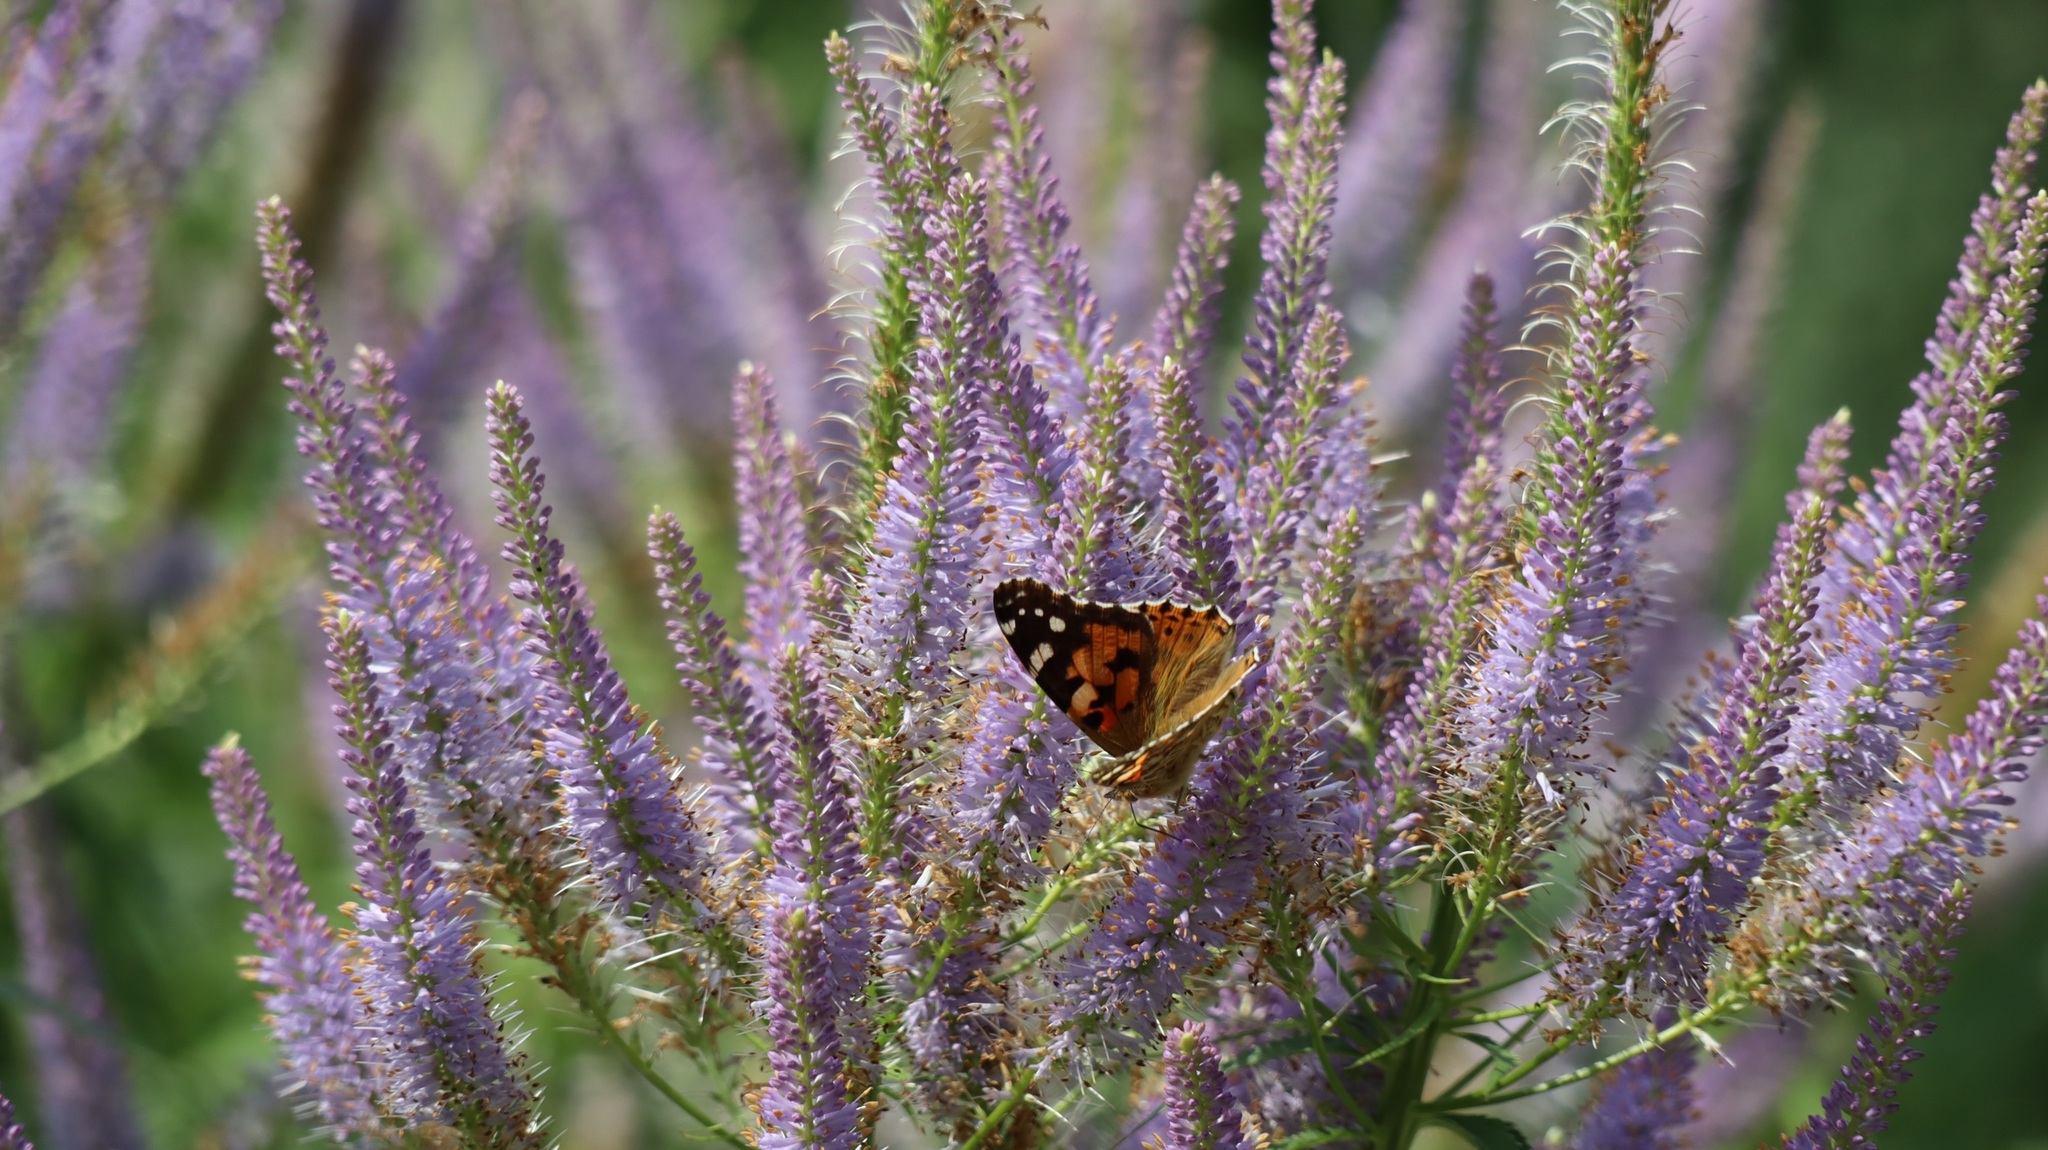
(1057, 624)
(1041, 657)
(1009, 626)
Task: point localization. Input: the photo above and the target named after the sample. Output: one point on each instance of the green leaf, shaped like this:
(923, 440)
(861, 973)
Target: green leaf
(1485, 1131)
(1314, 1136)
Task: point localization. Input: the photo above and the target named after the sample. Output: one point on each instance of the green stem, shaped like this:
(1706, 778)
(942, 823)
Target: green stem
(1729, 999)
(1480, 1066)
(1501, 1015)
(1019, 1090)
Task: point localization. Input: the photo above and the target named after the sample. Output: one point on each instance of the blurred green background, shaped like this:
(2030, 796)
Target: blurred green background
(1910, 99)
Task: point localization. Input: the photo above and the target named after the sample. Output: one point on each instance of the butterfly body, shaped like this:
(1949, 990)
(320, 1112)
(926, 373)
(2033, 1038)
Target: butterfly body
(1149, 683)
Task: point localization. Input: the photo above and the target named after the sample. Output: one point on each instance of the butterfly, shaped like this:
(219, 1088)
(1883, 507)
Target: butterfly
(1150, 683)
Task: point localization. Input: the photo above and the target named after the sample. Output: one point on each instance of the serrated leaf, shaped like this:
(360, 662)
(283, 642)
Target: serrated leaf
(1485, 1131)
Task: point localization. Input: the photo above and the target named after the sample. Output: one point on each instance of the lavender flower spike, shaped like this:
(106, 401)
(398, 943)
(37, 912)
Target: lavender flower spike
(361, 536)
(915, 610)
(1185, 328)
(1706, 844)
(313, 1012)
(1197, 530)
(740, 748)
(1202, 1112)
(1472, 427)
(1886, 637)
(818, 930)
(1047, 265)
(1536, 689)
(1860, 1104)
(425, 1006)
(927, 534)
(1986, 255)
(12, 1136)
(774, 544)
(1875, 883)
(622, 806)
(1306, 104)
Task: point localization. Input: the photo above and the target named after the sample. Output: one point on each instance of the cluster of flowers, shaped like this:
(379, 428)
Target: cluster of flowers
(874, 883)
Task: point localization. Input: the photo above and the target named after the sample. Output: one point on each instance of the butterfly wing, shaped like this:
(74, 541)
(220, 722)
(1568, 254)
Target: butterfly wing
(1164, 765)
(1094, 661)
(1192, 645)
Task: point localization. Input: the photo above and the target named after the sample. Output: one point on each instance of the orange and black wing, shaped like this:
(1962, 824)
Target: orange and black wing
(1093, 660)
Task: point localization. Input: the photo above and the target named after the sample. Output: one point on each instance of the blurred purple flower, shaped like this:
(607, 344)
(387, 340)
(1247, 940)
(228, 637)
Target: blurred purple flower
(1644, 1106)
(12, 1135)
(81, 1071)
(1394, 139)
(768, 470)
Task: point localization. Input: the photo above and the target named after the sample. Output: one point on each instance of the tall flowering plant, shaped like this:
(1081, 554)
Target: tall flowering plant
(882, 878)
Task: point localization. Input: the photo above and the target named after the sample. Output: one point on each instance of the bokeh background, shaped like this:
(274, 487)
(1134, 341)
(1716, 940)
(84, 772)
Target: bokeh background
(611, 203)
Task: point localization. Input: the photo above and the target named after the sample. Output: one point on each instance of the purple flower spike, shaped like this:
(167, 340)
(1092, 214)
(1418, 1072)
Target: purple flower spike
(740, 746)
(928, 535)
(1197, 532)
(313, 1012)
(1645, 1105)
(424, 1004)
(774, 541)
(1202, 1112)
(622, 806)
(421, 513)
(1889, 597)
(1012, 777)
(1300, 449)
(1706, 845)
(1185, 328)
(1860, 1104)
(1536, 689)
(448, 655)
(1472, 428)
(1093, 552)
(1306, 104)
(12, 1135)
(1878, 880)
(1987, 254)
(818, 931)
(360, 534)
(1033, 458)
(1886, 523)
(1047, 266)
(1453, 544)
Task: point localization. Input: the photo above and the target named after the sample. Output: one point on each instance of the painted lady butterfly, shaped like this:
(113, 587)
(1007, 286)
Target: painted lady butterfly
(1150, 683)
